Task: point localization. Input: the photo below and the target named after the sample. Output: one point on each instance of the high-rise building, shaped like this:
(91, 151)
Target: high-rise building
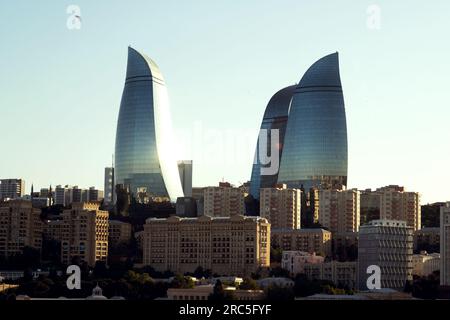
(281, 206)
(62, 195)
(109, 186)
(83, 233)
(391, 203)
(12, 188)
(397, 204)
(427, 239)
(223, 201)
(20, 226)
(312, 148)
(236, 245)
(339, 210)
(144, 161)
(185, 170)
(186, 207)
(445, 245)
(387, 244)
(315, 143)
(275, 118)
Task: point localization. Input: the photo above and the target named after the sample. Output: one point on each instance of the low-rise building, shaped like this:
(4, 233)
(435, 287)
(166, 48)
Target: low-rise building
(342, 274)
(203, 292)
(425, 264)
(294, 261)
(307, 240)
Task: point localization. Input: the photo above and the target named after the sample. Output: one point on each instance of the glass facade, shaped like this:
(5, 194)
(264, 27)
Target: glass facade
(275, 117)
(144, 160)
(315, 144)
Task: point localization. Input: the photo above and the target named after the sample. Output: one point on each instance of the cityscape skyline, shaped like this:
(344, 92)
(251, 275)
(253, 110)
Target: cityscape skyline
(395, 154)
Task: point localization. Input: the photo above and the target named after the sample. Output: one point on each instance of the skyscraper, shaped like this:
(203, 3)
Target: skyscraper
(12, 188)
(144, 160)
(315, 143)
(312, 133)
(275, 118)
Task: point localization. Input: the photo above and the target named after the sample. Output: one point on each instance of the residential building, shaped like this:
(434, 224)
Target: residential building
(223, 201)
(20, 227)
(281, 206)
(234, 245)
(339, 210)
(83, 232)
(12, 188)
(307, 240)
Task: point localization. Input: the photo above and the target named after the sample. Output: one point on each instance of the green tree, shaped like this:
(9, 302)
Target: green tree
(249, 284)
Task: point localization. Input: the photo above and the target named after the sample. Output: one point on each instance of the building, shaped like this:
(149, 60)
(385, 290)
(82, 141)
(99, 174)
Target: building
(425, 264)
(339, 210)
(234, 245)
(391, 203)
(144, 162)
(185, 170)
(342, 274)
(109, 186)
(307, 240)
(281, 206)
(83, 233)
(186, 207)
(94, 195)
(203, 292)
(20, 227)
(427, 239)
(294, 261)
(274, 122)
(370, 203)
(119, 232)
(12, 188)
(282, 282)
(223, 201)
(63, 195)
(445, 245)
(294, 127)
(389, 245)
(397, 204)
(316, 130)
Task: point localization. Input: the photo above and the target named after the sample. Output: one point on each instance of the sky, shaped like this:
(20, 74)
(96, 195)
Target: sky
(222, 61)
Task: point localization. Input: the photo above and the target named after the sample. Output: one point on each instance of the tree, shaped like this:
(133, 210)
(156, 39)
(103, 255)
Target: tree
(276, 254)
(219, 293)
(100, 270)
(182, 282)
(279, 293)
(249, 284)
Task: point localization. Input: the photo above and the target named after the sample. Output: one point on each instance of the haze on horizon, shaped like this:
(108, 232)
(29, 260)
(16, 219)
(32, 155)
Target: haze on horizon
(222, 62)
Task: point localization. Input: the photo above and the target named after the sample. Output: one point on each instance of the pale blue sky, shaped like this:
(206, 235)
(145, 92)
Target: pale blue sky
(223, 60)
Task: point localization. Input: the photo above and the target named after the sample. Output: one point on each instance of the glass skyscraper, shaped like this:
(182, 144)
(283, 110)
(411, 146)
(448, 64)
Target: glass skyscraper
(313, 142)
(144, 158)
(275, 117)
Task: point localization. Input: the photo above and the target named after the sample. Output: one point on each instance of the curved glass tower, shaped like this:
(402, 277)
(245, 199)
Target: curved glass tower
(275, 117)
(315, 144)
(144, 159)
